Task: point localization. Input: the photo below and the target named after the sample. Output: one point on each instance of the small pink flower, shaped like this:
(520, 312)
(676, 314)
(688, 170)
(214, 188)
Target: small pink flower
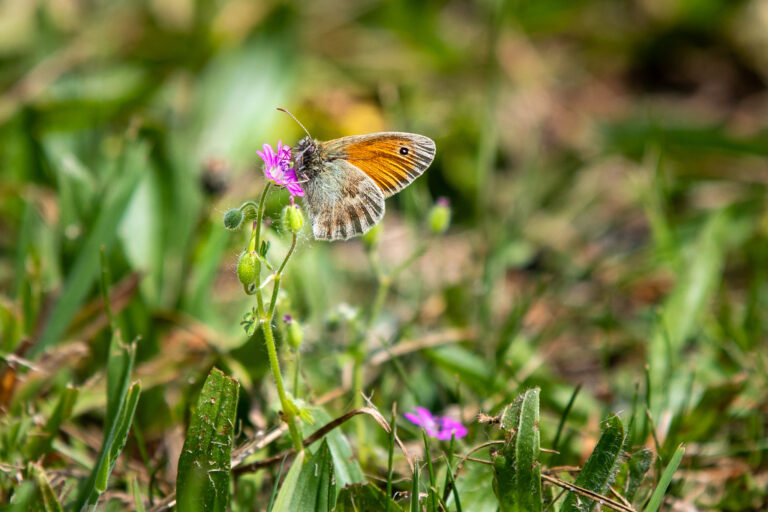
(277, 168)
(440, 427)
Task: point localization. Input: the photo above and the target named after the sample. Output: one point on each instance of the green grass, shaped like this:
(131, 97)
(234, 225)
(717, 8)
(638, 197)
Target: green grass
(595, 313)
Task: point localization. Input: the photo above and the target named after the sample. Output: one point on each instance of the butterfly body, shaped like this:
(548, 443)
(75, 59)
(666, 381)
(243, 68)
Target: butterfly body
(346, 180)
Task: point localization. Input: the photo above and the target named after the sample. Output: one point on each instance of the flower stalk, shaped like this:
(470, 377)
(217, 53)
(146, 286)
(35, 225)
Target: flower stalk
(278, 173)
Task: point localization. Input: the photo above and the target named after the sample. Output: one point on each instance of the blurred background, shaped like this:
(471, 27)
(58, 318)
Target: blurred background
(605, 161)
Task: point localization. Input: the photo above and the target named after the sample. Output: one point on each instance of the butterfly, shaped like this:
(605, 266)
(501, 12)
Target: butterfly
(346, 180)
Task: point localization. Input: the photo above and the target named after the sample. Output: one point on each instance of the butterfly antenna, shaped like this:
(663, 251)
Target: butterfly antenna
(281, 109)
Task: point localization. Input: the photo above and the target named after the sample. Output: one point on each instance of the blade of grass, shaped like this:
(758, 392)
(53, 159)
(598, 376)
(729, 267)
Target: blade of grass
(42, 444)
(122, 398)
(46, 497)
(449, 469)
(431, 490)
(682, 309)
(449, 475)
(415, 490)
(564, 417)
(277, 484)
(85, 269)
(391, 452)
(658, 494)
(135, 491)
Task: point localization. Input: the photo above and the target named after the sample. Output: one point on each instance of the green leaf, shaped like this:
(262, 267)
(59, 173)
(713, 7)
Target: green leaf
(517, 471)
(415, 490)
(682, 309)
(203, 477)
(345, 464)
(22, 498)
(470, 367)
(658, 494)
(431, 493)
(135, 491)
(122, 398)
(287, 489)
(601, 466)
(365, 497)
(124, 422)
(119, 368)
(45, 497)
(309, 486)
(42, 443)
(85, 269)
(638, 466)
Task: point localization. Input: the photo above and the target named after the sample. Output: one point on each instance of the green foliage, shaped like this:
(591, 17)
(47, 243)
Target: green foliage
(606, 244)
(516, 466)
(601, 467)
(633, 472)
(310, 484)
(45, 498)
(203, 476)
(363, 497)
(658, 494)
(122, 398)
(41, 443)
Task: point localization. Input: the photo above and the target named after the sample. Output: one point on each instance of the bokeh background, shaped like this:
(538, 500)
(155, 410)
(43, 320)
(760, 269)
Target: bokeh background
(605, 162)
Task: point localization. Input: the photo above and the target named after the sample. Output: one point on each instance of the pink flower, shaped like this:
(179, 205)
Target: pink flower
(440, 427)
(277, 168)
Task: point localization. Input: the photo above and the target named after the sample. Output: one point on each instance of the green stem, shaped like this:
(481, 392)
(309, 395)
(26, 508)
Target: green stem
(278, 275)
(289, 413)
(418, 253)
(289, 410)
(255, 244)
(296, 371)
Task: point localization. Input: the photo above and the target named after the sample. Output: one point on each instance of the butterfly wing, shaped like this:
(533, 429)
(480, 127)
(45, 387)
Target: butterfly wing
(342, 201)
(391, 159)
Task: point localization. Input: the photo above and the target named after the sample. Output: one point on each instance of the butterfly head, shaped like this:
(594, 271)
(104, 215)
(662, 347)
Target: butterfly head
(306, 158)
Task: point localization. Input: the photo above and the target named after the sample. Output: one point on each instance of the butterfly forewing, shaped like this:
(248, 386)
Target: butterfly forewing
(391, 159)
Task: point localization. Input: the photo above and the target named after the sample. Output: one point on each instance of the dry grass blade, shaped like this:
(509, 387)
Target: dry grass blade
(317, 435)
(428, 341)
(603, 500)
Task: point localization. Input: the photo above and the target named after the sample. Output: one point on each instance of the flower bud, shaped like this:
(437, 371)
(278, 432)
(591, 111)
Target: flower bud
(371, 238)
(294, 332)
(233, 219)
(439, 217)
(246, 267)
(293, 220)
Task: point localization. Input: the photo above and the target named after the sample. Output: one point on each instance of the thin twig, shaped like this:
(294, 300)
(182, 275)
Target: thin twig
(599, 498)
(319, 434)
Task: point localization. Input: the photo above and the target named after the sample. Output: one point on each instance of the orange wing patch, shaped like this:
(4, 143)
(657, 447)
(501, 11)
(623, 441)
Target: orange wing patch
(391, 159)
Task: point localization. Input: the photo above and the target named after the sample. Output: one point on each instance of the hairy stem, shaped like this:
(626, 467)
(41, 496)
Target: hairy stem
(289, 412)
(265, 316)
(255, 244)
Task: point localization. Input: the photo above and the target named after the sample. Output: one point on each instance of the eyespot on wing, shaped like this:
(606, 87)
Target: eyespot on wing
(391, 159)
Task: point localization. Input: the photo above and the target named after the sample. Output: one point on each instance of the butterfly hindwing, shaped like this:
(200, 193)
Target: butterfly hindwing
(391, 159)
(342, 201)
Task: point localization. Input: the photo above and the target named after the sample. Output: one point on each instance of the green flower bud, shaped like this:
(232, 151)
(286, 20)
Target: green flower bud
(293, 220)
(233, 219)
(249, 212)
(246, 267)
(439, 217)
(295, 334)
(371, 238)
